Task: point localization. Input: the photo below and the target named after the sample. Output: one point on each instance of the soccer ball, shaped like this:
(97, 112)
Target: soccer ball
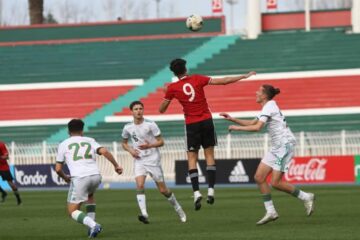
(194, 22)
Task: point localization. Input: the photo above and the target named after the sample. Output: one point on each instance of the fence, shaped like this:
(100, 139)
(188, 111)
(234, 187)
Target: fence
(229, 146)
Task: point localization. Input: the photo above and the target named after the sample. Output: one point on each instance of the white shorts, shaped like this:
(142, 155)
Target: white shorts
(280, 158)
(81, 187)
(155, 172)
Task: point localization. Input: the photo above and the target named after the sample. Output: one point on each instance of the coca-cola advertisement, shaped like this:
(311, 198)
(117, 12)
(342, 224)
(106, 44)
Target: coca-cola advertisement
(333, 169)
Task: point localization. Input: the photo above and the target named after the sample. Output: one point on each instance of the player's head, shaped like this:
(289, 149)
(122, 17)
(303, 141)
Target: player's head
(76, 127)
(178, 66)
(266, 92)
(137, 109)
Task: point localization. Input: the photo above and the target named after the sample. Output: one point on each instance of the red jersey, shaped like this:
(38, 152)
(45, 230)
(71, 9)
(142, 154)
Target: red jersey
(189, 91)
(3, 162)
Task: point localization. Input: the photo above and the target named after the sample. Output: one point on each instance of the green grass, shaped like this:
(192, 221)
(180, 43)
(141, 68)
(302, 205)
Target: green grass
(43, 216)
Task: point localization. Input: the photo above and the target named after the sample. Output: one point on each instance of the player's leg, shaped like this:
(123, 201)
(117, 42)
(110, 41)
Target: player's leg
(90, 204)
(208, 142)
(158, 176)
(140, 196)
(3, 192)
(282, 165)
(194, 177)
(8, 177)
(193, 142)
(211, 172)
(78, 193)
(261, 174)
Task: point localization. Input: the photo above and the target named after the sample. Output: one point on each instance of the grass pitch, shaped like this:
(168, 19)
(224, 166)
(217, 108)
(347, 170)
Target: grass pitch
(236, 210)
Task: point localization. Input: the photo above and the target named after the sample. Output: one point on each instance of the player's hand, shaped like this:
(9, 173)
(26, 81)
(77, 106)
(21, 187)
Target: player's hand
(67, 179)
(144, 146)
(135, 153)
(233, 127)
(249, 74)
(119, 170)
(226, 116)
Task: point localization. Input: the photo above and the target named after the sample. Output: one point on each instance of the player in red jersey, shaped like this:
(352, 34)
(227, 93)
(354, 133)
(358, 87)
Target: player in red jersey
(200, 131)
(6, 175)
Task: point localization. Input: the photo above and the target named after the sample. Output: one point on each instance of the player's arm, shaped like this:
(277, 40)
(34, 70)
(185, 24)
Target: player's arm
(229, 80)
(158, 143)
(5, 152)
(133, 152)
(60, 172)
(4, 157)
(242, 122)
(164, 105)
(249, 128)
(104, 152)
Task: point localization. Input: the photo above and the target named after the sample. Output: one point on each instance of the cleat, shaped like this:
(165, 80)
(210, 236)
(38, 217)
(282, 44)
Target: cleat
(95, 231)
(18, 201)
(3, 196)
(310, 204)
(210, 200)
(181, 214)
(143, 219)
(269, 217)
(197, 200)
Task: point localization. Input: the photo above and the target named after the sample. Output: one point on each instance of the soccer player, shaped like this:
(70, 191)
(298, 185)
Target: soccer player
(79, 154)
(146, 139)
(199, 126)
(6, 174)
(277, 160)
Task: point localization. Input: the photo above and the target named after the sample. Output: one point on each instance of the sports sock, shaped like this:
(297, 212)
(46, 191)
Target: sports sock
(17, 195)
(300, 194)
(90, 210)
(268, 203)
(141, 199)
(172, 200)
(194, 177)
(211, 171)
(80, 217)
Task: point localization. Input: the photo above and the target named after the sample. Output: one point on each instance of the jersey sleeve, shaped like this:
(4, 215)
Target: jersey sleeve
(266, 113)
(170, 94)
(125, 133)
(204, 80)
(60, 157)
(95, 145)
(155, 129)
(3, 149)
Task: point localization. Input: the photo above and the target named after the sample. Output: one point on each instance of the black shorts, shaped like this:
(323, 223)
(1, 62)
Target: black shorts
(200, 134)
(6, 175)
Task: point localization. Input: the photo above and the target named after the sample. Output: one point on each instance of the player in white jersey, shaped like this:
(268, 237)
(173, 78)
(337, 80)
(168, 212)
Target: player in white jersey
(78, 152)
(146, 139)
(277, 160)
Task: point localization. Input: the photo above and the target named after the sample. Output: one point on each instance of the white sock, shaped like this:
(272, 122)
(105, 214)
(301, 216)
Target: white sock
(303, 195)
(141, 199)
(80, 217)
(269, 206)
(90, 210)
(91, 215)
(211, 192)
(172, 200)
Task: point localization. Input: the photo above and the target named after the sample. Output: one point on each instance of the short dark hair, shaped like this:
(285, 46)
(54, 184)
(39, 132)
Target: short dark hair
(178, 66)
(76, 125)
(135, 103)
(270, 91)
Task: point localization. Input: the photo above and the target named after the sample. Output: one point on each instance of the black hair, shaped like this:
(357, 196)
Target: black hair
(178, 66)
(270, 91)
(76, 125)
(135, 103)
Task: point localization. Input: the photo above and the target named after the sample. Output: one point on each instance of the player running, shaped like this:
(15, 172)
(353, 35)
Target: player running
(146, 140)
(79, 154)
(199, 126)
(277, 160)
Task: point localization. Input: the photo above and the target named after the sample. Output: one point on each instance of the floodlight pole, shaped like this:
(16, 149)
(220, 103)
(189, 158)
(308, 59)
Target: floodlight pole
(307, 16)
(232, 3)
(253, 19)
(157, 8)
(355, 16)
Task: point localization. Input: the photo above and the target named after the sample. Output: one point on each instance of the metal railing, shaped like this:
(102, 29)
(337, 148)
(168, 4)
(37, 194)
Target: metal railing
(229, 146)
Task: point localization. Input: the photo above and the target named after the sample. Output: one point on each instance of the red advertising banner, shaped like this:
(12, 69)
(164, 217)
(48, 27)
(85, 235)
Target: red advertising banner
(271, 4)
(333, 169)
(217, 6)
